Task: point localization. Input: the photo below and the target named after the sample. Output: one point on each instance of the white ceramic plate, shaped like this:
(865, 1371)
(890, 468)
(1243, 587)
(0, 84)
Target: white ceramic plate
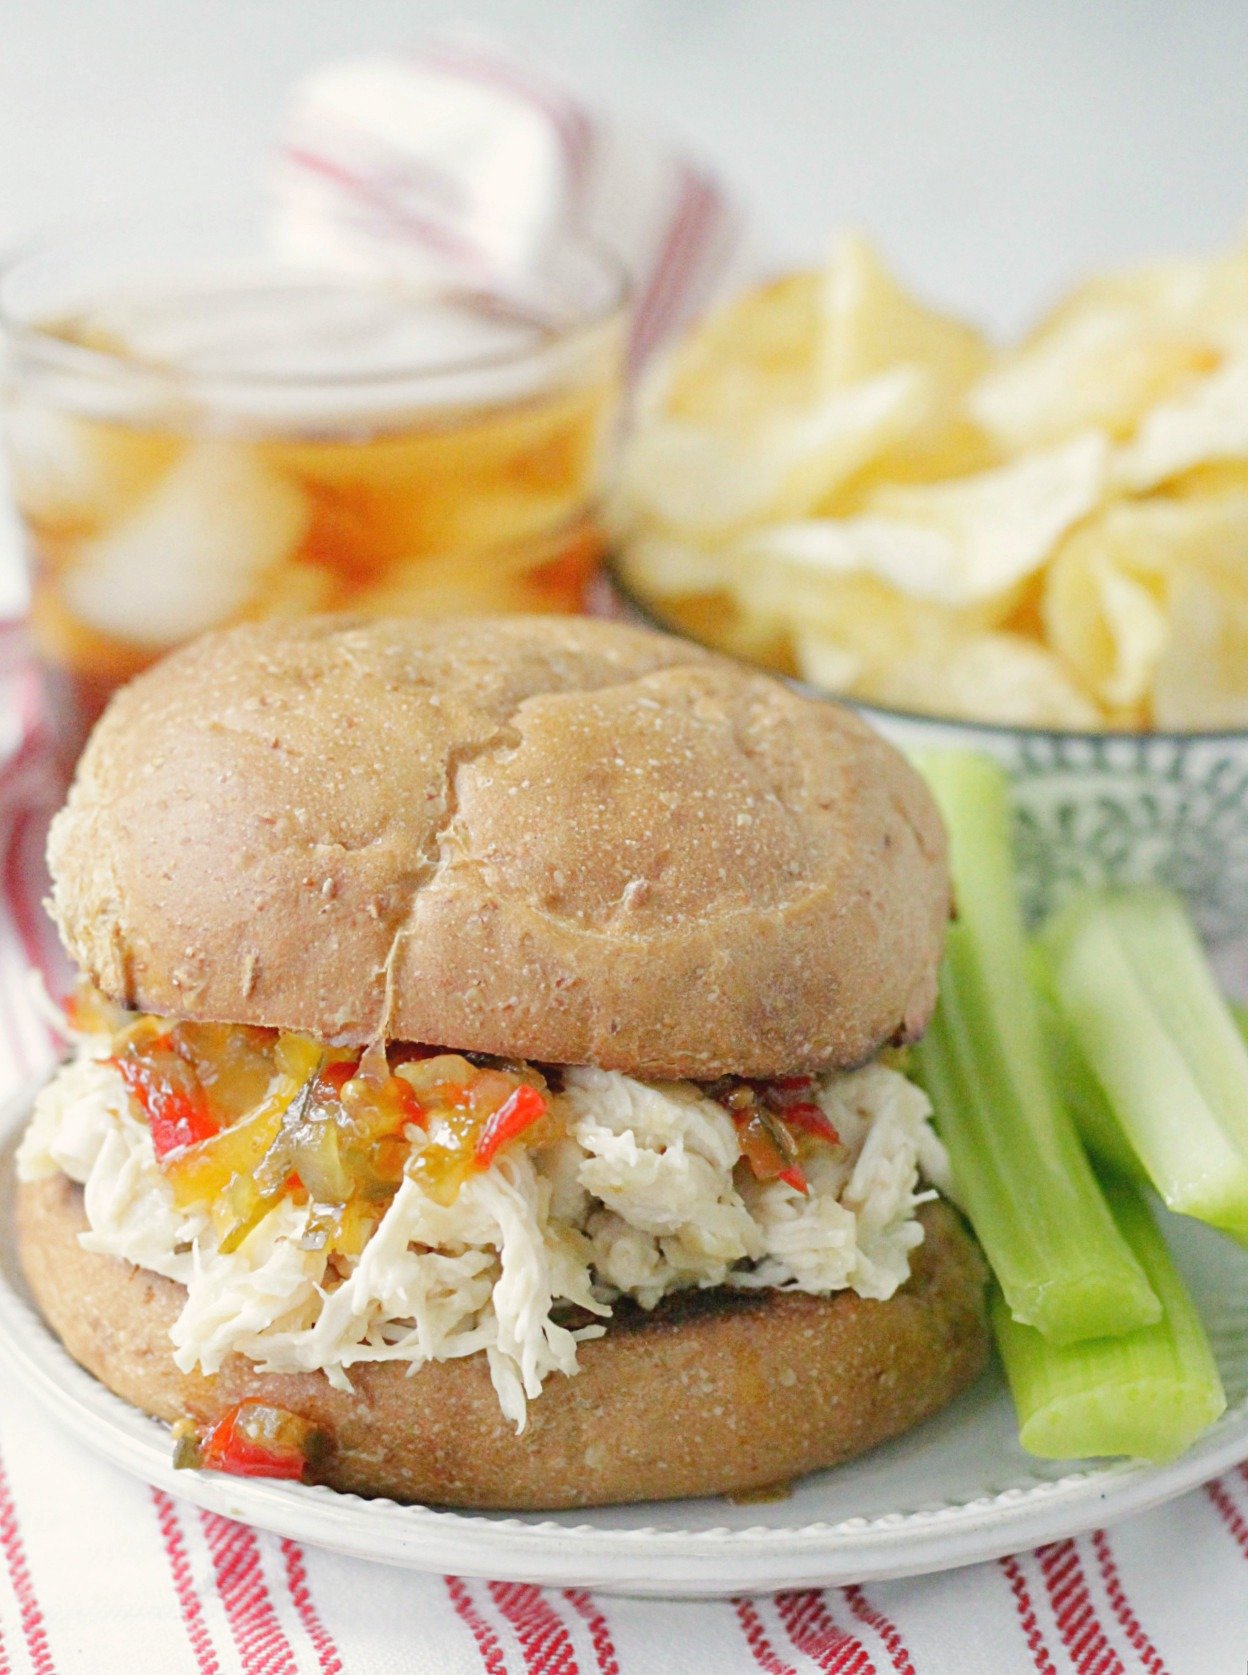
(957, 1490)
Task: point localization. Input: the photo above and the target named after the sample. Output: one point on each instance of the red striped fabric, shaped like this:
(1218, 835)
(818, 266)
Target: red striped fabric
(402, 190)
(189, 1607)
(328, 1658)
(1074, 1611)
(30, 1612)
(756, 1638)
(1229, 1513)
(811, 1628)
(26, 882)
(889, 1633)
(567, 117)
(12, 1000)
(599, 1630)
(244, 1594)
(428, 230)
(545, 1643)
(695, 217)
(465, 1608)
(1041, 1660)
(29, 790)
(1139, 1642)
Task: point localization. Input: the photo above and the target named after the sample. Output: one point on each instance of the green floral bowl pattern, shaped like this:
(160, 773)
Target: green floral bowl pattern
(1120, 808)
(1102, 808)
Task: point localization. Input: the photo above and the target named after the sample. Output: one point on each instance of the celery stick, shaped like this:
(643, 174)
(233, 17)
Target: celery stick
(1239, 1011)
(1018, 1167)
(1083, 1095)
(1145, 1009)
(1147, 1393)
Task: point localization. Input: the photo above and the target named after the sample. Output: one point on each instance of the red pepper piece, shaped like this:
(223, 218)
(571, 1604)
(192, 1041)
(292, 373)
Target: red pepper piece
(410, 1108)
(337, 1076)
(766, 1144)
(796, 1178)
(519, 1111)
(812, 1119)
(170, 1096)
(256, 1440)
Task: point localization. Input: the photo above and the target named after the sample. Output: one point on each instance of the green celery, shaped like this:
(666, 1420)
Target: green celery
(1018, 1166)
(1148, 1393)
(1099, 1128)
(1146, 1012)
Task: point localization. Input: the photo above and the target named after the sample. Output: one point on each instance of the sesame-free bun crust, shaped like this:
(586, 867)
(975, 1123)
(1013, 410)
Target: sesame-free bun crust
(713, 1393)
(547, 838)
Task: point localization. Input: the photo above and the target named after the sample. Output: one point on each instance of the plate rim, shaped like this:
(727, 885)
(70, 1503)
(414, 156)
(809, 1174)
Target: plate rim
(715, 1561)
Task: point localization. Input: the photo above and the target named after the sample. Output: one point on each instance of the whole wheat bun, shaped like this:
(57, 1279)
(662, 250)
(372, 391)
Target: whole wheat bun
(545, 838)
(713, 1393)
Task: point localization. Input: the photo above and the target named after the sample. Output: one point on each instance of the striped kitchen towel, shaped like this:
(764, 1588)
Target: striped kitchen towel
(457, 147)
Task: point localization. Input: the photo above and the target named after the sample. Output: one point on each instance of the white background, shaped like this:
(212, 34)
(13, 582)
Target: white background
(995, 149)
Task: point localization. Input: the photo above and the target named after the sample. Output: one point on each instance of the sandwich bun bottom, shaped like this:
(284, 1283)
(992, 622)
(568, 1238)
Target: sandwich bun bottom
(712, 1392)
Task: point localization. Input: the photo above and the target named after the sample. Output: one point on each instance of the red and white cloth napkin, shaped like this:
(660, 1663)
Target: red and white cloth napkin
(98, 1573)
(458, 149)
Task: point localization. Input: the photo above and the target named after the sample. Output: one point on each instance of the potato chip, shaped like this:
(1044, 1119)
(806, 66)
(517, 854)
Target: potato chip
(857, 614)
(947, 445)
(696, 481)
(718, 619)
(872, 324)
(957, 544)
(758, 353)
(986, 677)
(1215, 478)
(661, 567)
(1202, 677)
(1107, 621)
(1206, 297)
(860, 488)
(827, 664)
(1110, 592)
(1208, 421)
(1097, 368)
(997, 527)
(917, 561)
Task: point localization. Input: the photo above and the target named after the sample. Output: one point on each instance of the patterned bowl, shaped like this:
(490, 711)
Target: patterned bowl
(1099, 808)
(1118, 808)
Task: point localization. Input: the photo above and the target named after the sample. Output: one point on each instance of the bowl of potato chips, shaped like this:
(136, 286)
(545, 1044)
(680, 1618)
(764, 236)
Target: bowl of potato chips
(1040, 549)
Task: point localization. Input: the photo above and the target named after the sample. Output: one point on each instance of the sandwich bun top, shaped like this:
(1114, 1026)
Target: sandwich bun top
(545, 838)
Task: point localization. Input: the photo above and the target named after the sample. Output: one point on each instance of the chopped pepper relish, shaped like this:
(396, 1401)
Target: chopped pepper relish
(242, 1118)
